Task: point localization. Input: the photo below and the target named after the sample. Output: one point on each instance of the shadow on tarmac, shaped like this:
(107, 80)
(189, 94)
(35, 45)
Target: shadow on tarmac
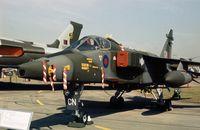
(26, 86)
(52, 120)
(186, 106)
(103, 108)
(94, 109)
(21, 86)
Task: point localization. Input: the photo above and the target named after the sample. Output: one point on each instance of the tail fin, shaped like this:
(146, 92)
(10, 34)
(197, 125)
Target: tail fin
(167, 49)
(68, 36)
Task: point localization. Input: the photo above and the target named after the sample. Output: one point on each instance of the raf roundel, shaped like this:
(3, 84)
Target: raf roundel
(105, 61)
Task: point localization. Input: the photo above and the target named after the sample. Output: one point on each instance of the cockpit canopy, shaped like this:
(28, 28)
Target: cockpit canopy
(94, 43)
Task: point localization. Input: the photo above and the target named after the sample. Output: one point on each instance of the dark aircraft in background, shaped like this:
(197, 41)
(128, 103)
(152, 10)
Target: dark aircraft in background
(16, 52)
(94, 59)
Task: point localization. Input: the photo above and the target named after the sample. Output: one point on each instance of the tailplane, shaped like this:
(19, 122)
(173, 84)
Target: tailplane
(167, 49)
(68, 36)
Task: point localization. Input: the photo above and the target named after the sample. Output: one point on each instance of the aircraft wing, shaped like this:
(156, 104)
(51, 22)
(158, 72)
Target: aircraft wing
(15, 52)
(170, 61)
(158, 67)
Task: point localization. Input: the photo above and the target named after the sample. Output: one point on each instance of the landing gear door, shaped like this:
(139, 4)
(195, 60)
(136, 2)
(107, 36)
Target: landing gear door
(72, 100)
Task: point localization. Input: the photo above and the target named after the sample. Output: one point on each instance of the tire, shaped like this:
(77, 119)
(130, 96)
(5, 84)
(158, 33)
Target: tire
(120, 101)
(116, 102)
(113, 101)
(83, 117)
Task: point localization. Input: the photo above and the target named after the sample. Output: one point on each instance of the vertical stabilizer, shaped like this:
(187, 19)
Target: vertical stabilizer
(167, 49)
(68, 36)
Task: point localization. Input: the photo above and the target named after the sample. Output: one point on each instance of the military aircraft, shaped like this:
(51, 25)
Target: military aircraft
(95, 59)
(15, 52)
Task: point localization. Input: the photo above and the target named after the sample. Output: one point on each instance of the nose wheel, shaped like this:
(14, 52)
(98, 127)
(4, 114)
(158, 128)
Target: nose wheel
(73, 103)
(82, 117)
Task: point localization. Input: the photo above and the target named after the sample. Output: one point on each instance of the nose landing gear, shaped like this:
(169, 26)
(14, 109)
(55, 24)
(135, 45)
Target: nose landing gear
(72, 100)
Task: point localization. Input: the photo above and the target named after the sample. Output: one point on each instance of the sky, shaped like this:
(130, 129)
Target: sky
(138, 24)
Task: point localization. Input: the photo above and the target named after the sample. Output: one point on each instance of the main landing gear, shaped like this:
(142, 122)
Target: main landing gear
(73, 103)
(117, 99)
(163, 103)
(177, 94)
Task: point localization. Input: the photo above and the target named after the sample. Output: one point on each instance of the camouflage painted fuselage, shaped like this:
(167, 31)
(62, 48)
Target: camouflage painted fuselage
(85, 66)
(93, 58)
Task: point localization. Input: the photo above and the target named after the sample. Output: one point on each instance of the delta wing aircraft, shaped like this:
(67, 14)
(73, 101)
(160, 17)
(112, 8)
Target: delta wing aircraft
(15, 52)
(94, 59)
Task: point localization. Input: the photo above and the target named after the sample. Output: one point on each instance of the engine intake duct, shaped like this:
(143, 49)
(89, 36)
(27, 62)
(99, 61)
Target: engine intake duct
(128, 59)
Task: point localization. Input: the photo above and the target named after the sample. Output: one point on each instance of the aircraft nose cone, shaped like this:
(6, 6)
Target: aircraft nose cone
(31, 70)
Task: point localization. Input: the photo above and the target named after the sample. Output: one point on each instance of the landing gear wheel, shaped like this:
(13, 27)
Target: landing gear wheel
(165, 104)
(82, 118)
(176, 96)
(120, 100)
(168, 105)
(114, 101)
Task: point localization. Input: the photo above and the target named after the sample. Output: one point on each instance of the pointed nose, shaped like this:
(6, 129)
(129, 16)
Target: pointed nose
(35, 69)
(32, 70)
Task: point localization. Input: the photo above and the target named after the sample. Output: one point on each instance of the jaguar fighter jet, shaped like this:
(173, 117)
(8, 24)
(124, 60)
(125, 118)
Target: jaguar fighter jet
(95, 59)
